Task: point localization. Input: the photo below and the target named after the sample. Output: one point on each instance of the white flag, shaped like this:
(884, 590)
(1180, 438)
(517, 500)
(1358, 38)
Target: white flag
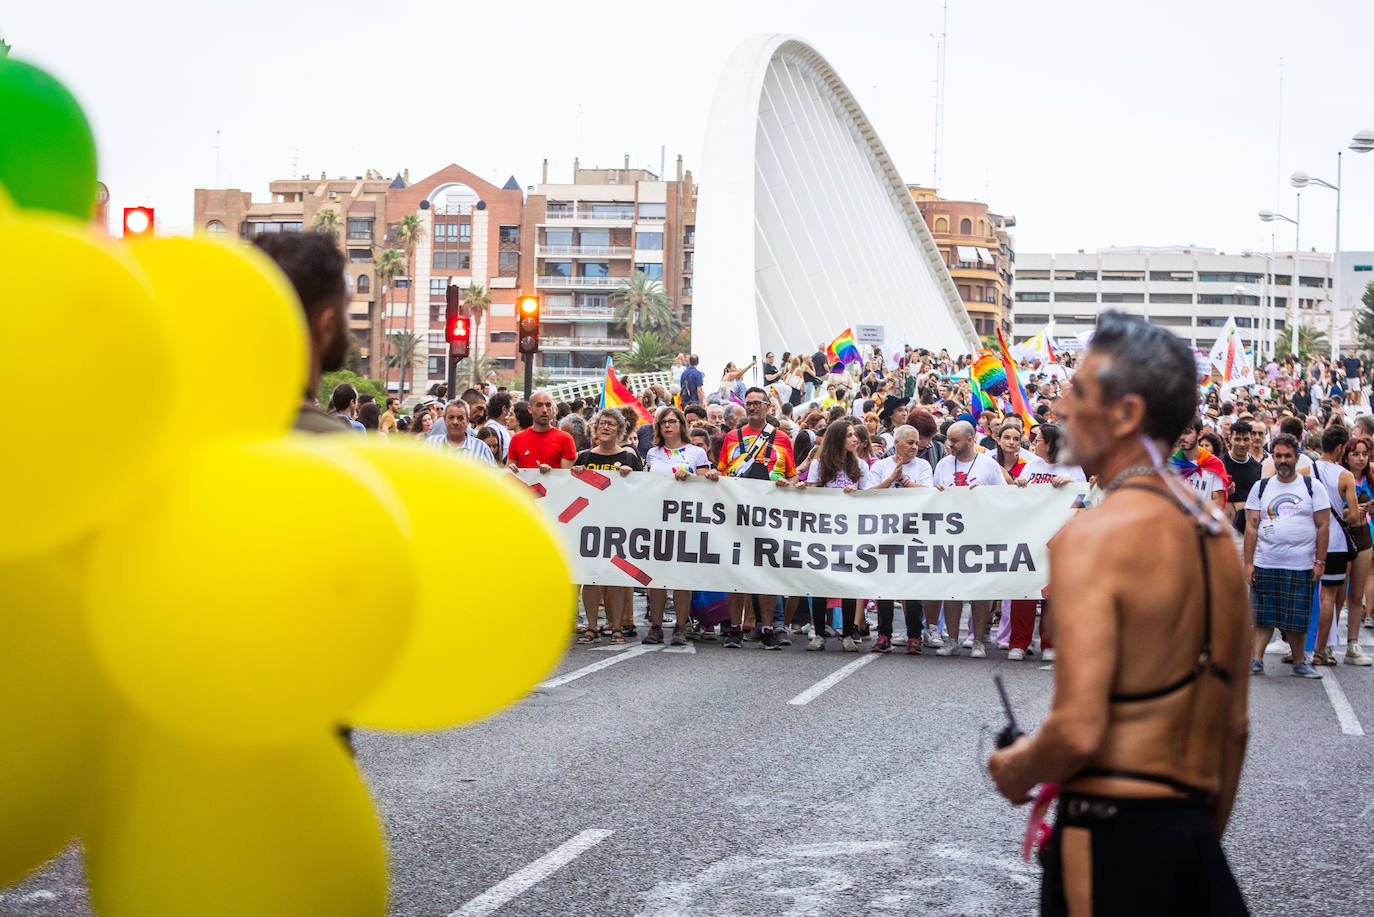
(1228, 355)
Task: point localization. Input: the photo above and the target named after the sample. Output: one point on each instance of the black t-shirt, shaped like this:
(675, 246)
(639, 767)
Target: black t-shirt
(1245, 475)
(820, 363)
(597, 462)
(1352, 367)
(770, 373)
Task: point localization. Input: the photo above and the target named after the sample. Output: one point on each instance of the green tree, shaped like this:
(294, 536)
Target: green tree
(1310, 341)
(390, 265)
(1364, 322)
(474, 366)
(649, 354)
(354, 362)
(327, 222)
(478, 302)
(408, 234)
(405, 352)
(329, 381)
(643, 302)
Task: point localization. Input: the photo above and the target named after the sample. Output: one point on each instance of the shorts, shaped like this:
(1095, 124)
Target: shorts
(1128, 857)
(1337, 562)
(1362, 538)
(1352, 384)
(1282, 599)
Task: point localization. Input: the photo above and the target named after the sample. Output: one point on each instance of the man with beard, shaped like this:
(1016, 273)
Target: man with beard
(1148, 726)
(311, 261)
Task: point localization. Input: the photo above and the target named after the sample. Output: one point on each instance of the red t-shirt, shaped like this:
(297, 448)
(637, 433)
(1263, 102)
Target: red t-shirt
(530, 448)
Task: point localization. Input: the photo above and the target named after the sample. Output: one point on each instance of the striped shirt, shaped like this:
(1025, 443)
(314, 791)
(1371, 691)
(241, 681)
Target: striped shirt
(471, 448)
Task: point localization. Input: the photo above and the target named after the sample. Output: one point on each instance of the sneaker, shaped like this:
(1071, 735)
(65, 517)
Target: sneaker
(1303, 670)
(1356, 656)
(1003, 645)
(933, 636)
(734, 639)
(899, 640)
(913, 649)
(1256, 666)
(769, 639)
(799, 630)
(830, 631)
(948, 649)
(655, 635)
(694, 630)
(850, 645)
(1016, 655)
(753, 636)
(1048, 655)
(882, 644)
(708, 633)
(784, 637)
(679, 637)
(979, 652)
(815, 643)
(968, 642)
(1369, 621)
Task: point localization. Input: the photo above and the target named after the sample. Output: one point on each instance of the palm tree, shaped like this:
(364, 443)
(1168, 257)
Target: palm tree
(648, 356)
(327, 222)
(405, 351)
(478, 301)
(408, 233)
(390, 265)
(1310, 341)
(475, 366)
(644, 302)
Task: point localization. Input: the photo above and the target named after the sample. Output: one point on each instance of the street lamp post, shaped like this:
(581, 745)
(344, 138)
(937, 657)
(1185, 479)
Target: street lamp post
(1270, 216)
(1302, 180)
(1267, 298)
(1362, 142)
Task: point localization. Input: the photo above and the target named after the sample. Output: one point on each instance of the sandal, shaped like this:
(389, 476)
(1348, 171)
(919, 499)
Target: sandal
(1324, 658)
(587, 636)
(605, 630)
(617, 638)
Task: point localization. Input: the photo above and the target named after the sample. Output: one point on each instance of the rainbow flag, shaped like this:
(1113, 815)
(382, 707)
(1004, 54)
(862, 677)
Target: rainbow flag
(844, 349)
(614, 394)
(989, 374)
(1015, 393)
(981, 400)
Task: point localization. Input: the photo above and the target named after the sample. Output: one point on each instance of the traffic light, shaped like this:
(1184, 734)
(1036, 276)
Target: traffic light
(527, 314)
(138, 222)
(457, 330)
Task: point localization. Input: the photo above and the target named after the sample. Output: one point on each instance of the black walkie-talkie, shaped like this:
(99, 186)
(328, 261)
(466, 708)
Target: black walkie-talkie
(1010, 732)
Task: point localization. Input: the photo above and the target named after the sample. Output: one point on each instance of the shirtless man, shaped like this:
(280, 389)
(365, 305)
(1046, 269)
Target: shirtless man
(1148, 726)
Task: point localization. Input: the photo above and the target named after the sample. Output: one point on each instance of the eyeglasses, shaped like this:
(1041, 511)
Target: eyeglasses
(607, 423)
(755, 404)
(667, 420)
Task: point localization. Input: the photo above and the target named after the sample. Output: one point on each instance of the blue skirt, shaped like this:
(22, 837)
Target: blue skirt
(1282, 599)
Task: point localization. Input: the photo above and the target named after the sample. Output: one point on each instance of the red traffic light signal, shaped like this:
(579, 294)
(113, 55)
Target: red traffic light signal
(457, 330)
(527, 317)
(138, 222)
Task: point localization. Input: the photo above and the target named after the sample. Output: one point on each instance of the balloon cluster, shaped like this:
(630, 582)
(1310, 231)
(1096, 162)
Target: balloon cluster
(194, 599)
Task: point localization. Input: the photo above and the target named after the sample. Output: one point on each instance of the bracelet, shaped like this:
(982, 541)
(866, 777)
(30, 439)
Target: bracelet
(1319, 563)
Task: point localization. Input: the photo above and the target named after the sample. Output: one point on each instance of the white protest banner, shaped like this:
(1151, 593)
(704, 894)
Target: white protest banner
(868, 334)
(735, 535)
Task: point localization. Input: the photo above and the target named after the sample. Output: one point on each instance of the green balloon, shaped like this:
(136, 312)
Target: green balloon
(47, 151)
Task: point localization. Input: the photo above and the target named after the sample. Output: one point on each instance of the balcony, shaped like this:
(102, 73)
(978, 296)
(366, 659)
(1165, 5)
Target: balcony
(579, 251)
(609, 215)
(548, 342)
(580, 313)
(551, 282)
(573, 372)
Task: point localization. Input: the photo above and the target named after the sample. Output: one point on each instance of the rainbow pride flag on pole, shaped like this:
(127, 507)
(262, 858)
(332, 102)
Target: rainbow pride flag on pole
(844, 349)
(989, 374)
(1015, 393)
(981, 400)
(615, 395)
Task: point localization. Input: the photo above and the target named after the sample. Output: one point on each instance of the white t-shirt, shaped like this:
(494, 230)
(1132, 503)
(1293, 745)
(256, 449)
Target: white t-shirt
(867, 480)
(1039, 471)
(916, 471)
(1205, 483)
(667, 461)
(982, 470)
(1287, 535)
(1329, 475)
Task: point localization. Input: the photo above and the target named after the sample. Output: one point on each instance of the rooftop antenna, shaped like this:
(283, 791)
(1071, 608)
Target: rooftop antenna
(1278, 144)
(218, 184)
(939, 133)
(295, 157)
(579, 133)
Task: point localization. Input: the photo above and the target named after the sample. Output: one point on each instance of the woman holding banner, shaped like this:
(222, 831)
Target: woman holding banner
(838, 466)
(673, 454)
(606, 454)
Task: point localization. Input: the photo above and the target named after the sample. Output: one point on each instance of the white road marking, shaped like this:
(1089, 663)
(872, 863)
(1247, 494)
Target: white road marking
(1047, 668)
(534, 873)
(613, 648)
(834, 678)
(690, 649)
(1345, 714)
(575, 674)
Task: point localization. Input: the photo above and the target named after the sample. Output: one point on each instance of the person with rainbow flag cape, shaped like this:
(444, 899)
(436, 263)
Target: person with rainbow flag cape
(1204, 472)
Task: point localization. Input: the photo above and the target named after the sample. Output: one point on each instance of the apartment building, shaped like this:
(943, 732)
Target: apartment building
(1187, 289)
(979, 251)
(589, 235)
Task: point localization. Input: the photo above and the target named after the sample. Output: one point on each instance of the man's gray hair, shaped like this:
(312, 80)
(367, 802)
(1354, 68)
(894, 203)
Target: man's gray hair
(904, 431)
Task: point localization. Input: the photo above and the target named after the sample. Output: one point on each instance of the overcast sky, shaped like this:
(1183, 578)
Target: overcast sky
(1094, 123)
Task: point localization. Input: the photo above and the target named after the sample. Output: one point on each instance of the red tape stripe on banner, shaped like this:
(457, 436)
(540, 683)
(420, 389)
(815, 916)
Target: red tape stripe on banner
(573, 509)
(539, 489)
(643, 578)
(594, 478)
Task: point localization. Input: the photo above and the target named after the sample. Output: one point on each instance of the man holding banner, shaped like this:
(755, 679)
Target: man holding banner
(1146, 734)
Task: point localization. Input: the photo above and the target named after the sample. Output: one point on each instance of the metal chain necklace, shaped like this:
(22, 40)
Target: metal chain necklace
(1133, 471)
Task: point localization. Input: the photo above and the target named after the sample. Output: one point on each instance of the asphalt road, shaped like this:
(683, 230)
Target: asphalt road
(668, 783)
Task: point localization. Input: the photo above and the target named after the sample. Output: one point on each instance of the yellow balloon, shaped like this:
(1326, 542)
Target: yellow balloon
(240, 602)
(181, 828)
(451, 670)
(49, 727)
(80, 320)
(231, 309)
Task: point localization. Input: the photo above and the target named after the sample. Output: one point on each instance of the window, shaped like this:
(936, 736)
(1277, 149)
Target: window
(510, 234)
(965, 227)
(1075, 297)
(558, 237)
(1204, 322)
(216, 228)
(250, 229)
(360, 229)
(503, 337)
(1171, 297)
(446, 260)
(1175, 321)
(649, 241)
(941, 225)
(601, 237)
(364, 283)
(1364, 267)
(557, 268)
(1024, 296)
(1032, 275)
(436, 366)
(594, 269)
(509, 263)
(464, 232)
(445, 232)
(653, 271)
(1123, 275)
(982, 227)
(1032, 319)
(1313, 281)
(1077, 275)
(360, 256)
(438, 286)
(593, 300)
(1123, 297)
(402, 283)
(1206, 277)
(464, 260)
(689, 237)
(1172, 275)
(653, 211)
(1227, 299)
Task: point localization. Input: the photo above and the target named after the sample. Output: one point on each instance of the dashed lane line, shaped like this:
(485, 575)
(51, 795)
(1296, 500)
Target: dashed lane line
(606, 663)
(831, 680)
(1345, 714)
(528, 877)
